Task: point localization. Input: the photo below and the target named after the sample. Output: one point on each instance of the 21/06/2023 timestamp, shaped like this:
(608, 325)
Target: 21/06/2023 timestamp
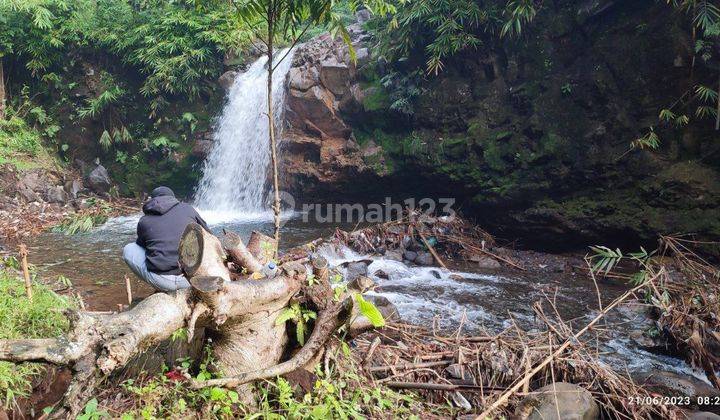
(675, 400)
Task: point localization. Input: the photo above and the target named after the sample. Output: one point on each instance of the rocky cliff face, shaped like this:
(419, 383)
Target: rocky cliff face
(533, 141)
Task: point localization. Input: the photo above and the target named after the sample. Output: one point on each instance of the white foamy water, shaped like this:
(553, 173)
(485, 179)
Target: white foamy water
(233, 185)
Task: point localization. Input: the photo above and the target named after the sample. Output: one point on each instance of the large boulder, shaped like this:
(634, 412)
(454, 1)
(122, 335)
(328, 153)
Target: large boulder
(314, 110)
(98, 180)
(570, 401)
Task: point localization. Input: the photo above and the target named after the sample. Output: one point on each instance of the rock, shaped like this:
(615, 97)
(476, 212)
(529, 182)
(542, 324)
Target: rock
(393, 255)
(410, 255)
(56, 194)
(424, 258)
(488, 263)
(355, 270)
(670, 383)
(201, 148)
(335, 76)
(641, 339)
(702, 415)
(573, 403)
(74, 187)
(99, 180)
(381, 274)
(360, 284)
(303, 79)
(315, 108)
(31, 181)
(362, 56)
(227, 79)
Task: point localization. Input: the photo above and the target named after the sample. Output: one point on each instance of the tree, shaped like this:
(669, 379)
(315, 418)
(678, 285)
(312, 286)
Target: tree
(289, 20)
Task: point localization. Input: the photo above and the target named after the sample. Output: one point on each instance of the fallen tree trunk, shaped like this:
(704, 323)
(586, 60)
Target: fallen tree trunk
(240, 315)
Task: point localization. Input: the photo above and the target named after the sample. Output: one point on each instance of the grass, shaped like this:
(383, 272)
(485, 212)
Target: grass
(22, 318)
(21, 145)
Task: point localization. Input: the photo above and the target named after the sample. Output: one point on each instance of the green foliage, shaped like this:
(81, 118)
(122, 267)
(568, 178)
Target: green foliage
(438, 28)
(21, 318)
(300, 316)
(95, 215)
(175, 45)
(370, 311)
(338, 394)
(91, 411)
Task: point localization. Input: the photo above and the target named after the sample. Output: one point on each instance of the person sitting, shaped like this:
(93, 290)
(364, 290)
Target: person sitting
(154, 255)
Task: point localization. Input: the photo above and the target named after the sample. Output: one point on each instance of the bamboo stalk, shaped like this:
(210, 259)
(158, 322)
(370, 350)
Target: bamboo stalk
(432, 250)
(26, 271)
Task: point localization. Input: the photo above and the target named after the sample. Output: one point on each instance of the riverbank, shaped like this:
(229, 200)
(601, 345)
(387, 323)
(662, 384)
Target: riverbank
(470, 361)
(37, 200)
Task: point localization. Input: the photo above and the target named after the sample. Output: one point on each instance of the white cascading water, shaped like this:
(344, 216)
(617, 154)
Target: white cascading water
(235, 171)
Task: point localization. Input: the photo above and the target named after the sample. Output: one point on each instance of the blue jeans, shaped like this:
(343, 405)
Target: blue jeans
(134, 256)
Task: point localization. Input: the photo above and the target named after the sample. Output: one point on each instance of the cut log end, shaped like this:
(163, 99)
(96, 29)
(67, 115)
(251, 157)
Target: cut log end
(191, 246)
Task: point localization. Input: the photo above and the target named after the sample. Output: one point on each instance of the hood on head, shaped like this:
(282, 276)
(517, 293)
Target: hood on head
(162, 191)
(160, 205)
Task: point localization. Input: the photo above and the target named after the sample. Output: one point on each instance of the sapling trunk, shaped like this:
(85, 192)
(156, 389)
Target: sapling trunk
(2, 91)
(271, 123)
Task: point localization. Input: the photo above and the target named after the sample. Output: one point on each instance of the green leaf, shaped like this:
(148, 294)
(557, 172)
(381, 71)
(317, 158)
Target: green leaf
(370, 311)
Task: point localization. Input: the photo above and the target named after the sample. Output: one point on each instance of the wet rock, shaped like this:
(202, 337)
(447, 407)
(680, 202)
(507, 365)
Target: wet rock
(355, 270)
(488, 263)
(436, 274)
(393, 255)
(202, 147)
(424, 258)
(99, 180)
(227, 79)
(410, 255)
(642, 340)
(56, 194)
(670, 383)
(381, 274)
(573, 403)
(360, 284)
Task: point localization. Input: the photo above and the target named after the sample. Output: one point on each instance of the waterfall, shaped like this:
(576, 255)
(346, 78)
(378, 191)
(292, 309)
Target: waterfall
(235, 172)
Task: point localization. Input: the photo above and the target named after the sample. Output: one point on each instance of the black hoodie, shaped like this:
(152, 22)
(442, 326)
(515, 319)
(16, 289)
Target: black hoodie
(160, 229)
